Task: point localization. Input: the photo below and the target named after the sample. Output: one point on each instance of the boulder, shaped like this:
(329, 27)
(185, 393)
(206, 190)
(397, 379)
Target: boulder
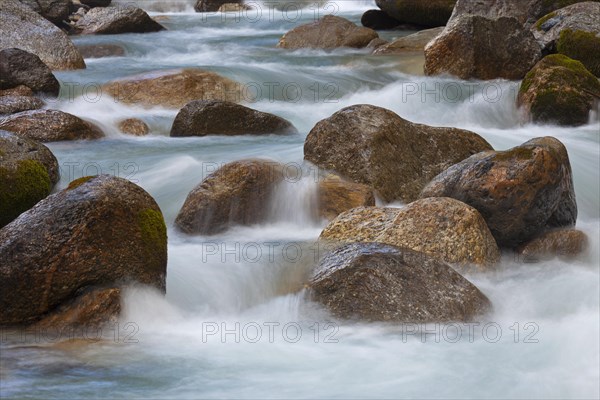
(15, 104)
(430, 13)
(55, 11)
(173, 88)
(443, 228)
(20, 90)
(214, 117)
(28, 171)
(520, 192)
(236, 194)
(234, 7)
(563, 243)
(133, 126)
(376, 43)
(336, 195)
(376, 147)
(114, 20)
(559, 90)
(213, 5)
(581, 46)
(99, 233)
(50, 126)
(328, 32)
(472, 46)
(379, 282)
(19, 67)
(582, 17)
(527, 12)
(101, 50)
(411, 43)
(27, 30)
(378, 20)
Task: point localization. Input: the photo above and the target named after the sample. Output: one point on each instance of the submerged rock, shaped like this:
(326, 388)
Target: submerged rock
(173, 88)
(213, 117)
(28, 172)
(411, 43)
(99, 233)
(520, 192)
(133, 126)
(396, 157)
(50, 126)
(27, 30)
(443, 228)
(101, 50)
(559, 90)
(430, 13)
(472, 46)
(114, 20)
(337, 195)
(238, 193)
(379, 282)
(563, 243)
(328, 32)
(19, 67)
(213, 5)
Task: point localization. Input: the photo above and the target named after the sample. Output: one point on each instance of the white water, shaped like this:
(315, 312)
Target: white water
(253, 276)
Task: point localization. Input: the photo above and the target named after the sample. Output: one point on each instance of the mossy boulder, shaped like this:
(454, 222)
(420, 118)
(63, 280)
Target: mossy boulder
(101, 233)
(50, 126)
(238, 193)
(559, 90)
(442, 228)
(374, 146)
(580, 17)
(28, 172)
(520, 192)
(329, 32)
(581, 46)
(429, 14)
(379, 282)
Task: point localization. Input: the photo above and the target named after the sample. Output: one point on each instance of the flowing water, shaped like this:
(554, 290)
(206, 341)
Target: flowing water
(235, 322)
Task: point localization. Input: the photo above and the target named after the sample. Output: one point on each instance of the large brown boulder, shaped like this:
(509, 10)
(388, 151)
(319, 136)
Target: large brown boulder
(396, 157)
(238, 193)
(214, 117)
(19, 67)
(328, 32)
(336, 195)
(379, 282)
(563, 243)
(27, 30)
(28, 172)
(577, 17)
(50, 126)
(472, 46)
(411, 43)
(430, 13)
(443, 228)
(173, 88)
(559, 90)
(15, 104)
(114, 20)
(519, 192)
(134, 127)
(99, 233)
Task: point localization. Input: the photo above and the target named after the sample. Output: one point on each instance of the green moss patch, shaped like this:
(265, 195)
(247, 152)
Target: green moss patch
(78, 182)
(154, 232)
(518, 153)
(22, 188)
(541, 21)
(582, 46)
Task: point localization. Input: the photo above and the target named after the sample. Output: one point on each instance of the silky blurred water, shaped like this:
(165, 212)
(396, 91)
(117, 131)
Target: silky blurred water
(235, 322)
